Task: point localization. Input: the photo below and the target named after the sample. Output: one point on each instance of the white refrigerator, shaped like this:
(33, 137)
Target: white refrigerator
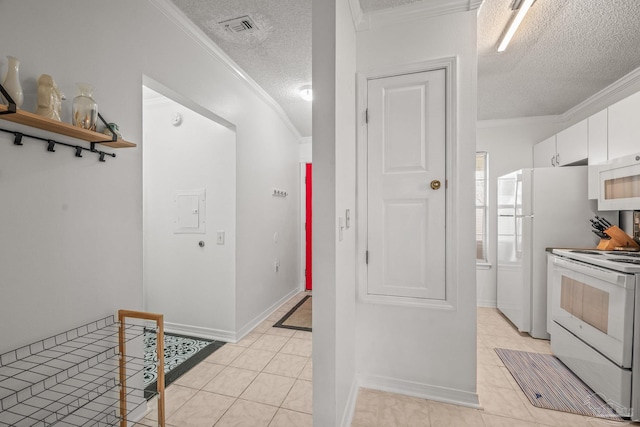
(538, 209)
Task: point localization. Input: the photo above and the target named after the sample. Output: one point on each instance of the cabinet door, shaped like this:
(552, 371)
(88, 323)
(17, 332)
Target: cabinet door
(544, 153)
(571, 145)
(624, 127)
(597, 145)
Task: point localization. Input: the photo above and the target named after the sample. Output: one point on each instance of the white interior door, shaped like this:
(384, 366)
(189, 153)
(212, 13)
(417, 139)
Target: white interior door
(406, 185)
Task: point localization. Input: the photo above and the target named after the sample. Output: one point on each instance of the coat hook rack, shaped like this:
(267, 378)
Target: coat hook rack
(51, 144)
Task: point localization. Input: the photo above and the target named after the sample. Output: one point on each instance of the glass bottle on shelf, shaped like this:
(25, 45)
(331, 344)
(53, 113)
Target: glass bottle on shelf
(84, 112)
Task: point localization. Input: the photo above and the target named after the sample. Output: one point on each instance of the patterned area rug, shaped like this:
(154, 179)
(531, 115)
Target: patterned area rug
(549, 384)
(299, 317)
(181, 353)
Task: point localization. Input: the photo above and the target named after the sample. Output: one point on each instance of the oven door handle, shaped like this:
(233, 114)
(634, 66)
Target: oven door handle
(609, 276)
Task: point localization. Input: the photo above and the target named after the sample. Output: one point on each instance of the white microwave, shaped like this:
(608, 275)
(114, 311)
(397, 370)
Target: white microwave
(619, 184)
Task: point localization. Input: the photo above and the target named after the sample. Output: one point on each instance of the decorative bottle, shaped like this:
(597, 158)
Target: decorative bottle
(12, 82)
(84, 112)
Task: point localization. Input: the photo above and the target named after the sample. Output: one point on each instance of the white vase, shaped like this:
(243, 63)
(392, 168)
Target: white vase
(12, 82)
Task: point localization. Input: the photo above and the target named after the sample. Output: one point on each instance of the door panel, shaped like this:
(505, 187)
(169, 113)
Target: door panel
(406, 216)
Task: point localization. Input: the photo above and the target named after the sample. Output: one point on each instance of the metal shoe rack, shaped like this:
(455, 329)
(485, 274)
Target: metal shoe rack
(79, 377)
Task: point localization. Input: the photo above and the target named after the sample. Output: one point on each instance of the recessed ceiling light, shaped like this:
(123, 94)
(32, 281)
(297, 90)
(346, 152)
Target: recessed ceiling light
(306, 93)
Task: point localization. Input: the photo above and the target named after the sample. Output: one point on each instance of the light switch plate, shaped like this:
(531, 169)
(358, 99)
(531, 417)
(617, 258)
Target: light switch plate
(220, 237)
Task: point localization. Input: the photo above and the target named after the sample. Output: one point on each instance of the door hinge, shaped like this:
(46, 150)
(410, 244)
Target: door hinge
(366, 115)
(366, 257)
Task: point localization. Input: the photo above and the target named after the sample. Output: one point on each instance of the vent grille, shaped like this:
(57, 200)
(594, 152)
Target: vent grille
(243, 24)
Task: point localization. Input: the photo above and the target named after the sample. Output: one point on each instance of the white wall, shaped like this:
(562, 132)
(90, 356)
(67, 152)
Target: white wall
(71, 229)
(419, 350)
(334, 192)
(193, 286)
(509, 144)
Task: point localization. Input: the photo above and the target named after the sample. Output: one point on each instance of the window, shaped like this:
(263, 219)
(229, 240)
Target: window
(481, 206)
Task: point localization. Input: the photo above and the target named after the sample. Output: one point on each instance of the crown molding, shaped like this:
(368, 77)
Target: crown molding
(621, 88)
(177, 17)
(417, 10)
(518, 121)
(611, 94)
(356, 13)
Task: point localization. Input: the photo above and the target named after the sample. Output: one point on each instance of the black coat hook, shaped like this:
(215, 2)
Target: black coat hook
(51, 145)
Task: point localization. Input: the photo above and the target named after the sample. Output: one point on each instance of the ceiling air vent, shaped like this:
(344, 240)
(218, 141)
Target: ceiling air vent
(243, 24)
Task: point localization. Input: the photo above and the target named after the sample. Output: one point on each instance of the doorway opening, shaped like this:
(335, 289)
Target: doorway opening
(189, 215)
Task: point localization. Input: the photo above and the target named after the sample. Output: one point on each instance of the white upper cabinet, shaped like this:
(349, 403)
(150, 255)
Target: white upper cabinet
(568, 147)
(571, 145)
(544, 153)
(624, 127)
(597, 144)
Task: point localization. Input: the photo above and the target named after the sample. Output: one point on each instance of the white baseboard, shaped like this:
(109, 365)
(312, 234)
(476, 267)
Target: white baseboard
(246, 329)
(487, 303)
(198, 331)
(347, 415)
(223, 335)
(424, 391)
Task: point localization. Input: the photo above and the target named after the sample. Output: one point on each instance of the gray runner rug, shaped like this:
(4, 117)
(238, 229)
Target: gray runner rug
(549, 384)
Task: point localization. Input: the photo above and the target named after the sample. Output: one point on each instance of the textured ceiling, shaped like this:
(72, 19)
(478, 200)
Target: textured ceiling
(277, 56)
(564, 52)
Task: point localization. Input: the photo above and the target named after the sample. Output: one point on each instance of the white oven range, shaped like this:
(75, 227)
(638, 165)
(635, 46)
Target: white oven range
(593, 324)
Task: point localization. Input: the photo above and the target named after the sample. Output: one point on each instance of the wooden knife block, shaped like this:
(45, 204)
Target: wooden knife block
(618, 239)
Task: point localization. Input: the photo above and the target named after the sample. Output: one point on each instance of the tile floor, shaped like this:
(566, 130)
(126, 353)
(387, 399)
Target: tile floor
(503, 403)
(265, 380)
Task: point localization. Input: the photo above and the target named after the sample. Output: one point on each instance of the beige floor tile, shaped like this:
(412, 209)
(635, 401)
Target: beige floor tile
(493, 376)
(307, 371)
(491, 420)
(253, 359)
(300, 398)
(202, 410)
(277, 315)
(247, 414)
(445, 415)
(263, 327)
(282, 332)
(225, 354)
(298, 347)
(199, 375)
(174, 397)
(303, 335)
(270, 343)
(403, 411)
(249, 339)
(504, 402)
(286, 418)
(367, 408)
(268, 389)
(286, 365)
(231, 381)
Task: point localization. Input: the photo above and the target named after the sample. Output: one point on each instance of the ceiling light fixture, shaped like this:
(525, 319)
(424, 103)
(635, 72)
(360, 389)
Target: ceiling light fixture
(306, 93)
(523, 7)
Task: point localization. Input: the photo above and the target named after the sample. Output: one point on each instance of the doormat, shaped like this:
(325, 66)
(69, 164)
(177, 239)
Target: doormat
(181, 353)
(299, 317)
(549, 384)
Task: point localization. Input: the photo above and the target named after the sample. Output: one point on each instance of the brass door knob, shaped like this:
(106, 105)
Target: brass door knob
(435, 184)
